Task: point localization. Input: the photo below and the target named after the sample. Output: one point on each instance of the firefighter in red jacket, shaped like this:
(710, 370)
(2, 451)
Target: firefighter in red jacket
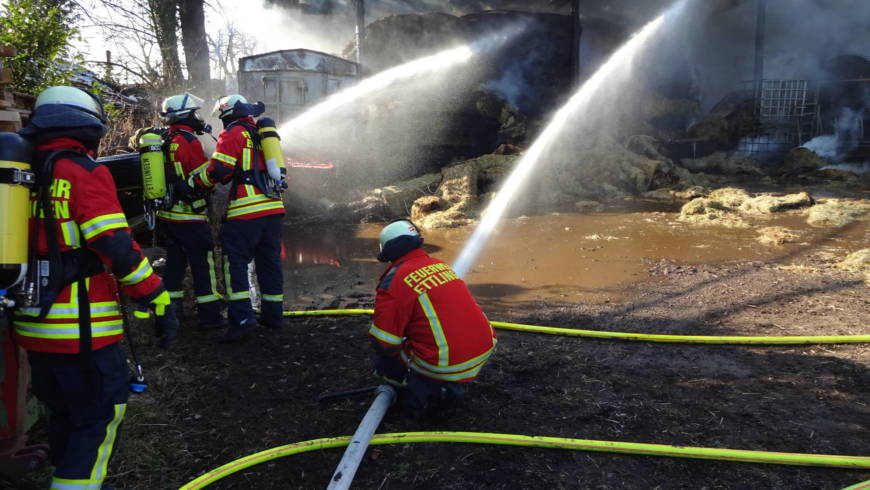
(252, 231)
(73, 331)
(430, 334)
(186, 223)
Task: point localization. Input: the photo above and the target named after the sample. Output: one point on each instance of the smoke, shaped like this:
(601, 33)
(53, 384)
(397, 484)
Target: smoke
(404, 126)
(801, 39)
(848, 133)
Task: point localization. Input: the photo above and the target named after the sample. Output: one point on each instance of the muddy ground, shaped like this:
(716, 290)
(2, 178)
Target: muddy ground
(210, 404)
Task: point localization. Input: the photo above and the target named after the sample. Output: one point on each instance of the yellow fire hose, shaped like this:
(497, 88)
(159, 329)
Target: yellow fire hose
(820, 460)
(643, 337)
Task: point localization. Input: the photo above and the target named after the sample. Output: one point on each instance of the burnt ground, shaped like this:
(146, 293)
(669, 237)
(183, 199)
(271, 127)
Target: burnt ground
(211, 403)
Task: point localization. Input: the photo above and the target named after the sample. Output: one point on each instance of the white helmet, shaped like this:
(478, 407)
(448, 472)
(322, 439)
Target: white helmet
(396, 229)
(179, 107)
(225, 105)
(72, 97)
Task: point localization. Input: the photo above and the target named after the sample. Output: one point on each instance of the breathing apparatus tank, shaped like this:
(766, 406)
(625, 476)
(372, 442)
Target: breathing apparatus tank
(270, 141)
(15, 180)
(155, 192)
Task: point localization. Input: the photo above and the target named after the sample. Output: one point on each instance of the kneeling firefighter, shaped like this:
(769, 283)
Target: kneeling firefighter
(248, 155)
(69, 318)
(430, 335)
(184, 216)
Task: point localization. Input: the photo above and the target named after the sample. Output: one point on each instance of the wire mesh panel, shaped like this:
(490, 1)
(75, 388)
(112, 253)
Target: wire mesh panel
(782, 99)
(784, 117)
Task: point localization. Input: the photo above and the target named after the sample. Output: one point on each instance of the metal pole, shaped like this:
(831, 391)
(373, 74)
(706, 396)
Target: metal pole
(360, 27)
(760, 23)
(576, 32)
(343, 476)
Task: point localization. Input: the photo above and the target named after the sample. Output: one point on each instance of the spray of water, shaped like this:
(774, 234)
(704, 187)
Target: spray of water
(421, 66)
(621, 59)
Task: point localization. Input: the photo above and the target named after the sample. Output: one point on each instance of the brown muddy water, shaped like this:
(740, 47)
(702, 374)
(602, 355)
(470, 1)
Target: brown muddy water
(557, 258)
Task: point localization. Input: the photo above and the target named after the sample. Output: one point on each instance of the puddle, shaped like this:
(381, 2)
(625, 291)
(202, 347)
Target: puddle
(554, 258)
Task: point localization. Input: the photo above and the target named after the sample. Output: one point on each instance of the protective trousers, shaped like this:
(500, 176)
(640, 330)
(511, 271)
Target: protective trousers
(418, 395)
(258, 239)
(192, 243)
(86, 407)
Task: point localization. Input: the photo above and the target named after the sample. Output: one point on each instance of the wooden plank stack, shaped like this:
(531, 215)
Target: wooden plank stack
(10, 116)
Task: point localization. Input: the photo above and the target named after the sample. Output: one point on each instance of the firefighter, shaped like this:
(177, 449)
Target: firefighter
(73, 330)
(429, 334)
(252, 228)
(186, 223)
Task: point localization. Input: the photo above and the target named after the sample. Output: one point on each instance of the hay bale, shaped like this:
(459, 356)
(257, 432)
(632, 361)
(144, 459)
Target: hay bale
(401, 196)
(858, 262)
(767, 204)
(730, 197)
(724, 219)
(426, 205)
(692, 192)
(723, 163)
(702, 205)
(706, 211)
(776, 235)
(801, 160)
(837, 212)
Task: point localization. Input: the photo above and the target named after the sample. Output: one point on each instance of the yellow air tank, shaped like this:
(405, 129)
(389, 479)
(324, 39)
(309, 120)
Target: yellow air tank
(270, 141)
(153, 165)
(15, 179)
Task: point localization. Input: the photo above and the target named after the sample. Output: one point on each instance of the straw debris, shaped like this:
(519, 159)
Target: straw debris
(838, 212)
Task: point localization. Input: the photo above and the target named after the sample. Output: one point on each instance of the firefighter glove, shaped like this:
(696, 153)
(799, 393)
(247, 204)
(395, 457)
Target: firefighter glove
(158, 305)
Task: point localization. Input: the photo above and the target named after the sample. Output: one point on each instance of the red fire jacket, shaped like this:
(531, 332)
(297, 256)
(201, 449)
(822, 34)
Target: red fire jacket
(186, 156)
(87, 212)
(235, 153)
(423, 307)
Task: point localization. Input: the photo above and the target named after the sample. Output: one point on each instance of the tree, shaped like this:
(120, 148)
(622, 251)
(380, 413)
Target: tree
(226, 47)
(41, 31)
(164, 19)
(193, 37)
(145, 35)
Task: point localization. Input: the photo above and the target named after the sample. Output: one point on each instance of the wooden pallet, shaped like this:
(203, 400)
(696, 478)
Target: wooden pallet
(10, 116)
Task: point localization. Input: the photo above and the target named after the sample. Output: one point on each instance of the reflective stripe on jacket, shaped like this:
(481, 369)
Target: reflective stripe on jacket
(185, 157)
(236, 153)
(424, 308)
(87, 213)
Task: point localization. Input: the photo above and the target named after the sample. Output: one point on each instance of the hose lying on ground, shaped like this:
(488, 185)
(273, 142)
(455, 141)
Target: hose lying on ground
(859, 486)
(820, 460)
(643, 337)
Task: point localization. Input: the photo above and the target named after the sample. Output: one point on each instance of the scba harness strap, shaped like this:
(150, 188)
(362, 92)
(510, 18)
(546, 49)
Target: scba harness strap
(57, 270)
(63, 269)
(254, 176)
(196, 199)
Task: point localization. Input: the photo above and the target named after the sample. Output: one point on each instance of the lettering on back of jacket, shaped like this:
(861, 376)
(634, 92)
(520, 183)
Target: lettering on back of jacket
(429, 277)
(59, 190)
